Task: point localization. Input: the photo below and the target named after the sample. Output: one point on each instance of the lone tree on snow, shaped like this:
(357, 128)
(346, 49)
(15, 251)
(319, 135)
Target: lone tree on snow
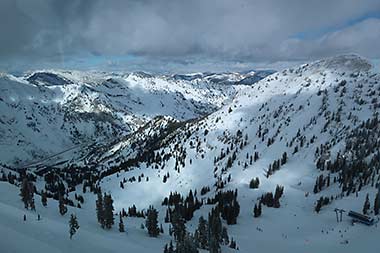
(73, 224)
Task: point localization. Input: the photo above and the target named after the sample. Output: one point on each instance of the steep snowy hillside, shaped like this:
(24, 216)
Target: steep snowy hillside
(49, 112)
(274, 163)
(288, 129)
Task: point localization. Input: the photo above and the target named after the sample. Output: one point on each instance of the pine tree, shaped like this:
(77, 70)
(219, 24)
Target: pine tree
(26, 192)
(108, 211)
(319, 205)
(166, 250)
(73, 224)
(215, 230)
(259, 210)
(224, 236)
(366, 205)
(179, 228)
(201, 236)
(187, 245)
(376, 205)
(171, 247)
(100, 209)
(284, 158)
(256, 211)
(43, 198)
(151, 222)
(233, 244)
(61, 205)
(121, 224)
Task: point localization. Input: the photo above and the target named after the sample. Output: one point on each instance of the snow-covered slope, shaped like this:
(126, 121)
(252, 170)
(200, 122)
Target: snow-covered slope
(322, 117)
(316, 106)
(48, 112)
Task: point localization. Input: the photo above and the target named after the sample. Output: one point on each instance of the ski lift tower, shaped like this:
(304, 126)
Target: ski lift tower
(340, 211)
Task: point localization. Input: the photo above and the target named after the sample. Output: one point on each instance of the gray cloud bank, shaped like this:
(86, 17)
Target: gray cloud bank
(36, 31)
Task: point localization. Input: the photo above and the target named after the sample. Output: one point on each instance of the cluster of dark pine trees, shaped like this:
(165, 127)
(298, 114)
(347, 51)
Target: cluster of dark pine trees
(133, 212)
(209, 235)
(227, 204)
(276, 165)
(104, 210)
(376, 204)
(322, 201)
(10, 178)
(358, 164)
(151, 222)
(27, 191)
(183, 206)
(321, 182)
(254, 183)
(271, 200)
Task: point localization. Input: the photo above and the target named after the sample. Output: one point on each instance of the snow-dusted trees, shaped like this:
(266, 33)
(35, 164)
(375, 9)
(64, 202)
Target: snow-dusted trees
(73, 225)
(254, 183)
(179, 228)
(366, 205)
(376, 205)
(43, 198)
(151, 222)
(201, 234)
(121, 224)
(100, 209)
(187, 245)
(322, 201)
(228, 205)
(271, 200)
(214, 231)
(27, 193)
(104, 210)
(108, 211)
(169, 248)
(257, 210)
(61, 205)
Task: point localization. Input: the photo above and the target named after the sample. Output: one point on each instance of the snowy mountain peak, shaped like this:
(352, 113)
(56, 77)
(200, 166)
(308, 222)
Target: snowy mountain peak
(348, 62)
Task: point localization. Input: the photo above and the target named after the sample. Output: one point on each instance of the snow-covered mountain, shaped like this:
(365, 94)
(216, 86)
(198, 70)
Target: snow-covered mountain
(313, 129)
(47, 112)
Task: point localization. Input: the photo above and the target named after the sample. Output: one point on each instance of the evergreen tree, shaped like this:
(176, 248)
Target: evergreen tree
(108, 211)
(257, 210)
(151, 222)
(179, 228)
(43, 198)
(233, 244)
(32, 205)
(224, 236)
(171, 247)
(366, 205)
(376, 205)
(27, 192)
(284, 158)
(187, 245)
(254, 183)
(73, 224)
(215, 230)
(61, 205)
(201, 236)
(121, 224)
(319, 205)
(100, 209)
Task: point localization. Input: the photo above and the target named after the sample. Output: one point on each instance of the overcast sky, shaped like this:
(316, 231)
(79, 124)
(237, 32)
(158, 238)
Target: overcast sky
(167, 35)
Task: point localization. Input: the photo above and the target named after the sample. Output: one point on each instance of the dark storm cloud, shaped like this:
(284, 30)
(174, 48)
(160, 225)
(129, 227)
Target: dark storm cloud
(55, 30)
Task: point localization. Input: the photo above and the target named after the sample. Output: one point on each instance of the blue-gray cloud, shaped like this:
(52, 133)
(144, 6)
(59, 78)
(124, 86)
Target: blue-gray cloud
(41, 31)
